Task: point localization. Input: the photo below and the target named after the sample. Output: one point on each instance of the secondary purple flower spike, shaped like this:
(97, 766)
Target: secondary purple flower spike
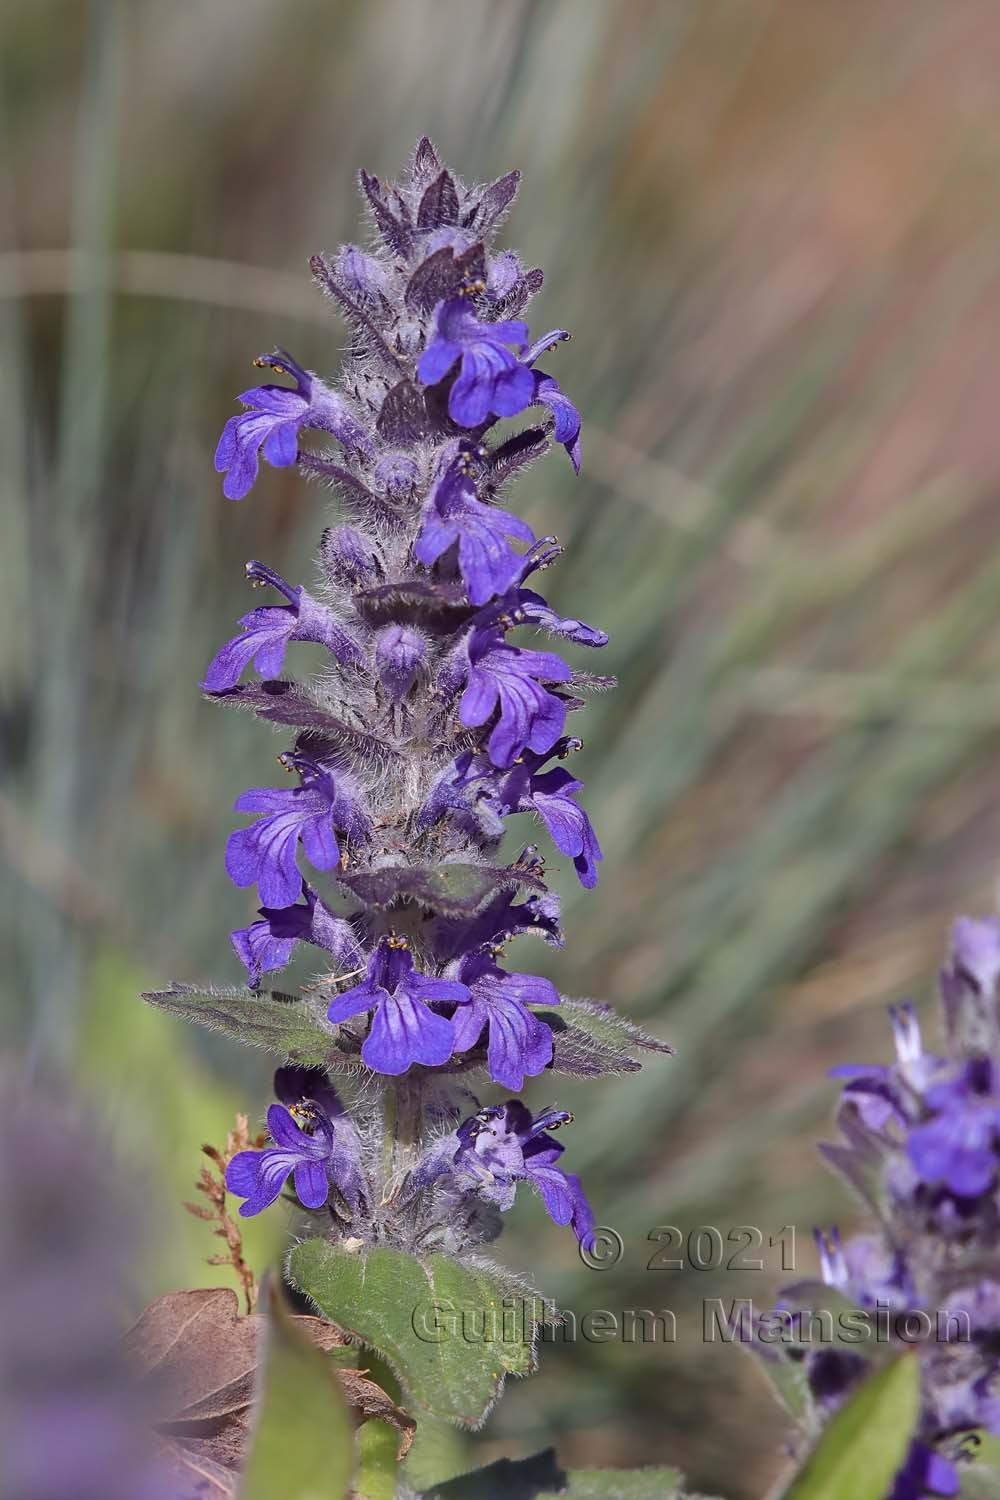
(404, 1029)
(488, 563)
(504, 1144)
(519, 1044)
(267, 632)
(265, 854)
(510, 678)
(271, 424)
(491, 382)
(313, 1139)
(921, 1145)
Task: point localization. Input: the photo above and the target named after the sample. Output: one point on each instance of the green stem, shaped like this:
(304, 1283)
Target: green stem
(390, 1120)
(377, 1443)
(402, 1116)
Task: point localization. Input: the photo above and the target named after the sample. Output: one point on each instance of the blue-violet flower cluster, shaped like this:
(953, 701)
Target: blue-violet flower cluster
(433, 721)
(921, 1146)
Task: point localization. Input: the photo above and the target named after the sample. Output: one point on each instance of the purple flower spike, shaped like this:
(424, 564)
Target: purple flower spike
(504, 1144)
(491, 382)
(530, 718)
(403, 1030)
(488, 563)
(273, 420)
(313, 1139)
(267, 632)
(519, 1043)
(265, 854)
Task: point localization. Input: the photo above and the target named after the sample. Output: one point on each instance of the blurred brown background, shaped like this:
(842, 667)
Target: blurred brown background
(773, 226)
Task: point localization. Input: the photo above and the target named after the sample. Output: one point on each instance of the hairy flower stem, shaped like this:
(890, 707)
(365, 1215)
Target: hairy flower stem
(402, 1114)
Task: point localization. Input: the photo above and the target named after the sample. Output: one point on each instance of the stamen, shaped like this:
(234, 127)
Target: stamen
(258, 575)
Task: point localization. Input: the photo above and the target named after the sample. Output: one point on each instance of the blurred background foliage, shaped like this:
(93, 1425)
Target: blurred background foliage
(773, 228)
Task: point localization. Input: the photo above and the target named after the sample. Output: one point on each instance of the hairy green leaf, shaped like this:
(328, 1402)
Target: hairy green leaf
(281, 1024)
(590, 1039)
(451, 1332)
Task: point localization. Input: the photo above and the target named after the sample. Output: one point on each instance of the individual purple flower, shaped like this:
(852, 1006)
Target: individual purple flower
(530, 608)
(265, 854)
(492, 382)
(567, 418)
(958, 1146)
(500, 921)
(504, 1144)
(313, 1139)
(487, 562)
(885, 1094)
(267, 632)
(519, 1044)
(551, 794)
(525, 788)
(268, 943)
(509, 678)
(925, 1476)
(404, 1029)
(548, 393)
(865, 1270)
(271, 424)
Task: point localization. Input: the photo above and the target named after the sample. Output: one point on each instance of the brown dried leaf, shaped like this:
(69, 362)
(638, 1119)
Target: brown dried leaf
(370, 1400)
(200, 1355)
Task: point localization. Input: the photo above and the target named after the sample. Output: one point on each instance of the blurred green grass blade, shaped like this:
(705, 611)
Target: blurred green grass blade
(865, 1442)
(74, 484)
(302, 1444)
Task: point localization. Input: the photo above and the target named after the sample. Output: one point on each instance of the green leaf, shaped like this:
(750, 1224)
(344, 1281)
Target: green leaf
(590, 1039)
(452, 1333)
(302, 1447)
(865, 1442)
(542, 1478)
(282, 1024)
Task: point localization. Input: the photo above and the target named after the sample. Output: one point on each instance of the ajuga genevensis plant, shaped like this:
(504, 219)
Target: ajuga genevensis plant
(435, 723)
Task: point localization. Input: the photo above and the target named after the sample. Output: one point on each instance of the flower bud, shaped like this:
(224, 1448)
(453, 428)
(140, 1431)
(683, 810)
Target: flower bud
(400, 653)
